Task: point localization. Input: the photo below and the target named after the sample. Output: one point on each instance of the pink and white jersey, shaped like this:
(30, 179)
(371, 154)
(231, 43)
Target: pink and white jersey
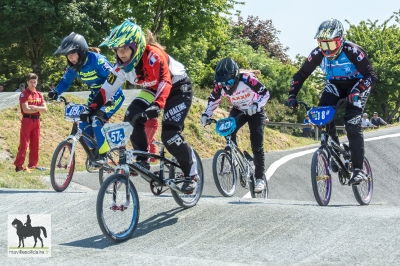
(249, 90)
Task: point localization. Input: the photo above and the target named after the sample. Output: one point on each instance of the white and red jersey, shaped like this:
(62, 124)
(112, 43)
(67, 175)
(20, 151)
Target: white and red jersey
(249, 90)
(156, 72)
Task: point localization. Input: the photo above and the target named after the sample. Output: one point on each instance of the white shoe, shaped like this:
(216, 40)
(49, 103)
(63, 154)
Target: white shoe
(260, 186)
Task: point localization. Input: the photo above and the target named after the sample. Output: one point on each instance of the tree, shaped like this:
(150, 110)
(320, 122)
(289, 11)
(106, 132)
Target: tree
(31, 30)
(263, 34)
(381, 42)
(179, 21)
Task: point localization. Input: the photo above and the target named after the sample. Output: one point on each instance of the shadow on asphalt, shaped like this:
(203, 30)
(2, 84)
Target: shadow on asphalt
(99, 242)
(159, 221)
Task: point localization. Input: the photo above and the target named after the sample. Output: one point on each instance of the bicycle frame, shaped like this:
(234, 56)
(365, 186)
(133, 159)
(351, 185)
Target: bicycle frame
(76, 136)
(332, 149)
(159, 179)
(243, 159)
(237, 156)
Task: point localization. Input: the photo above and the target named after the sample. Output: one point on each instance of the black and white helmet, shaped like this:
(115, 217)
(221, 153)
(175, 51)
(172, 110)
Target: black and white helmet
(74, 43)
(227, 75)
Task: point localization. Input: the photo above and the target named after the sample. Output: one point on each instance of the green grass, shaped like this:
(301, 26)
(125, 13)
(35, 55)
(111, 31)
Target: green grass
(54, 129)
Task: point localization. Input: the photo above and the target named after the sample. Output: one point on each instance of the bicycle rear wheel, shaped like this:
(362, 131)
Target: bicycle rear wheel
(320, 178)
(260, 195)
(60, 173)
(224, 173)
(363, 191)
(117, 220)
(107, 170)
(188, 200)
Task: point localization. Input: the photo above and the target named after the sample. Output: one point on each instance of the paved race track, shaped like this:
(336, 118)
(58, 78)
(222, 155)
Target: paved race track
(289, 228)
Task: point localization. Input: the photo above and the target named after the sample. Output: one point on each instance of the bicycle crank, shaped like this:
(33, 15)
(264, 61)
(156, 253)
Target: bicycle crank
(157, 189)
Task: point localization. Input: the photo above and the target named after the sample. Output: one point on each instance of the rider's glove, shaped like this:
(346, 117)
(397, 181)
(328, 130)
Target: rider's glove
(252, 109)
(354, 95)
(204, 119)
(291, 102)
(110, 102)
(153, 111)
(85, 115)
(53, 94)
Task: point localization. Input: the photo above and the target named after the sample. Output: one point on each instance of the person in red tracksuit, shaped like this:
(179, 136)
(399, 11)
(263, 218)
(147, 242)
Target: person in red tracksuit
(32, 104)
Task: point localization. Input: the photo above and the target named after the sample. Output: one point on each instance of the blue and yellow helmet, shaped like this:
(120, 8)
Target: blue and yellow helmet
(127, 34)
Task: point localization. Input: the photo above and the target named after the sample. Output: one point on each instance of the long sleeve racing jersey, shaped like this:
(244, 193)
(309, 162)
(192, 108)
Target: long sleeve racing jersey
(351, 64)
(249, 90)
(93, 73)
(156, 72)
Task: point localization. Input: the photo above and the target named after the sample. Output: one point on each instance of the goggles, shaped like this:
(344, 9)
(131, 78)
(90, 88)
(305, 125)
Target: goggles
(228, 83)
(330, 45)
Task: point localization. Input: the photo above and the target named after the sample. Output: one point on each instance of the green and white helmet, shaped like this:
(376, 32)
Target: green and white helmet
(127, 34)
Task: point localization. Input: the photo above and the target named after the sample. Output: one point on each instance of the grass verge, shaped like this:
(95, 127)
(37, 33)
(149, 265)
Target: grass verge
(54, 129)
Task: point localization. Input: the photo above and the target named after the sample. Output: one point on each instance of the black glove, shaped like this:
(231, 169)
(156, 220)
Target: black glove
(291, 102)
(110, 102)
(53, 94)
(204, 119)
(85, 115)
(153, 111)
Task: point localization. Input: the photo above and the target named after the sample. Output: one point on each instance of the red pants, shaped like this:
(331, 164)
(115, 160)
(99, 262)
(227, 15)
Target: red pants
(151, 127)
(30, 134)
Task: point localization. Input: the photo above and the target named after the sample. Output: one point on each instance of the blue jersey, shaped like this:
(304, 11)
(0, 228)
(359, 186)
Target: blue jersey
(340, 69)
(352, 65)
(93, 73)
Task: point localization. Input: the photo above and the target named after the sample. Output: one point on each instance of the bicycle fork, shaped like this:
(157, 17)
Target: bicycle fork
(74, 141)
(123, 168)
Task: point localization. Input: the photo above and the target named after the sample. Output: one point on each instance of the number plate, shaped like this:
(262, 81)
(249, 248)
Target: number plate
(117, 135)
(225, 126)
(73, 111)
(321, 115)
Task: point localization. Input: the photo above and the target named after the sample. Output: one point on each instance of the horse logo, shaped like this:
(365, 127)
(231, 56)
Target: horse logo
(24, 231)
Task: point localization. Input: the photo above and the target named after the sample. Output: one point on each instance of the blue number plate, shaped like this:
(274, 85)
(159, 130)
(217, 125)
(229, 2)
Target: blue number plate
(73, 111)
(225, 126)
(321, 115)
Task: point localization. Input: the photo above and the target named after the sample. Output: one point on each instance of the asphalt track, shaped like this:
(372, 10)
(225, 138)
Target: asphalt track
(289, 228)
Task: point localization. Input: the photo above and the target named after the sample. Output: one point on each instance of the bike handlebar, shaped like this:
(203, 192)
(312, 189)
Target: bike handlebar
(337, 106)
(62, 98)
(212, 120)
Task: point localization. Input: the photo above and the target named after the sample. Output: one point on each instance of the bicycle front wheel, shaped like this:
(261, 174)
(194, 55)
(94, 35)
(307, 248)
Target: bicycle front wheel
(363, 191)
(320, 178)
(60, 173)
(117, 217)
(224, 173)
(188, 200)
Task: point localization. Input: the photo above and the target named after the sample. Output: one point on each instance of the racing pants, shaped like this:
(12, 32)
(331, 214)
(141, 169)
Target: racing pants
(175, 111)
(332, 93)
(95, 129)
(256, 125)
